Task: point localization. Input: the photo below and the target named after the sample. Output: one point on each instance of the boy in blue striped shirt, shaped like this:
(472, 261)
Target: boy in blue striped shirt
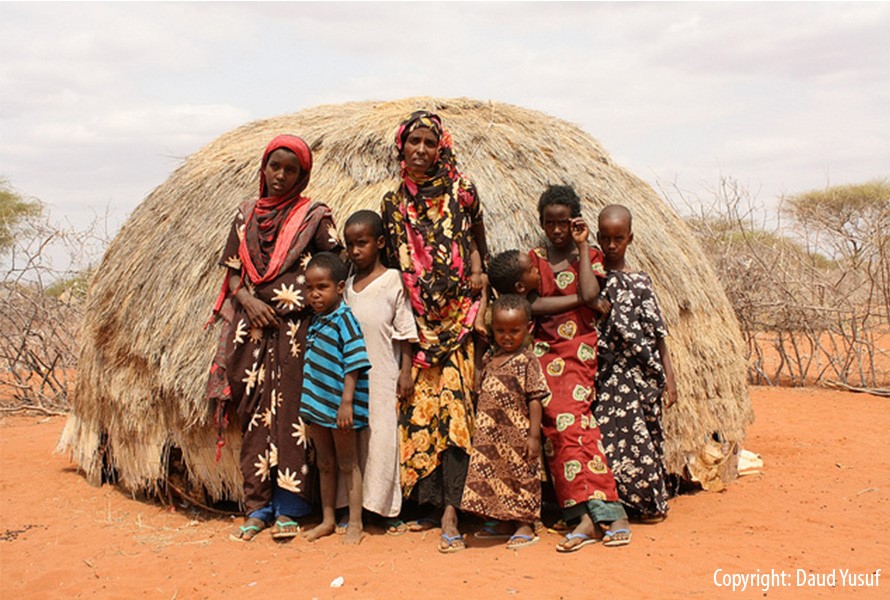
(335, 392)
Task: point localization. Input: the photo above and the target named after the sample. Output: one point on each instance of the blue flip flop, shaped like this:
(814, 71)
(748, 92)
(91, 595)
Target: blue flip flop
(587, 540)
(610, 543)
(527, 540)
(423, 524)
(489, 532)
(449, 541)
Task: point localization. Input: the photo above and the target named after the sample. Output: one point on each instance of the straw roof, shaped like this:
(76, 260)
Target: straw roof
(145, 354)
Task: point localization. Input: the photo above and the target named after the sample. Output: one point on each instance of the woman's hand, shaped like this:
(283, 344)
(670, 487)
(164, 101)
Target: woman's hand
(259, 313)
(580, 231)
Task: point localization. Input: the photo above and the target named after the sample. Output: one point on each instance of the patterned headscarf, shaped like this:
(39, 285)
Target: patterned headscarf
(444, 171)
(429, 225)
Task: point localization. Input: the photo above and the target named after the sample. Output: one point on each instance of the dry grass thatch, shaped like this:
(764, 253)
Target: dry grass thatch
(145, 356)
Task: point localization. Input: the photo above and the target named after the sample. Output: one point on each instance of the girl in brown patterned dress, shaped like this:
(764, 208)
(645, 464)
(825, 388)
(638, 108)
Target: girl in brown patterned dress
(259, 365)
(503, 479)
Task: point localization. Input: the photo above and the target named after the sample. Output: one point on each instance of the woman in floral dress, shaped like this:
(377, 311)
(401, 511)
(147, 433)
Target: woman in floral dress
(436, 237)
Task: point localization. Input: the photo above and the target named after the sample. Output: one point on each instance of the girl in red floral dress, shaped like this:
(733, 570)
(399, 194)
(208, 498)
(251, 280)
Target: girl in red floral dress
(565, 344)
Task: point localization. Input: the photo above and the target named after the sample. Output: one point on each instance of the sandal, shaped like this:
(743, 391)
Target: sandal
(490, 531)
(585, 541)
(423, 524)
(520, 540)
(452, 543)
(395, 526)
(285, 530)
(248, 531)
(610, 542)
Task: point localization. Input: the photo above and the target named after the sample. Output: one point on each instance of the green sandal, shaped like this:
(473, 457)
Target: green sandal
(246, 533)
(285, 530)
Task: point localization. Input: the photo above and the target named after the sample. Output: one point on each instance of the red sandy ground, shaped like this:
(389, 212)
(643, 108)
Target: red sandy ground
(820, 504)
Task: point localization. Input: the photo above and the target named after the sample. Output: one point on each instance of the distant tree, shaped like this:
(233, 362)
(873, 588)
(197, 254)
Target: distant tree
(14, 209)
(853, 220)
(853, 223)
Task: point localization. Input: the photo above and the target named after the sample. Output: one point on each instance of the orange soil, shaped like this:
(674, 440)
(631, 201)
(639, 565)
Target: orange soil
(820, 504)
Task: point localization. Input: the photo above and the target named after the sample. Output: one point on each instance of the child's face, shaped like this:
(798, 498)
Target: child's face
(322, 291)
(282, 171)
(556, 219)
(361, 246)
(510, 327)
(531, 276)
(614, 236)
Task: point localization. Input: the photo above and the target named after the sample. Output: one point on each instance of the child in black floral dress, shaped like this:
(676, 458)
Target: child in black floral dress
(634, 373)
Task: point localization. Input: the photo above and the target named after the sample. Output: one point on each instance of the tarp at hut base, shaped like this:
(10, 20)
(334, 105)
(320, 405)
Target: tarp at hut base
(145, 354)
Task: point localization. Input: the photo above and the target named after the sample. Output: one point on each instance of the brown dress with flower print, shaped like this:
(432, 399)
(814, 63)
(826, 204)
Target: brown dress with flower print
(263, 368)
(565, 344)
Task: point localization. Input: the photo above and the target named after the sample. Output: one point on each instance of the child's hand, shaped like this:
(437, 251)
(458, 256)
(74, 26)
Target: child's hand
(344, 416)
(479, 325)
(405, 386)
(580, 231)
(533, 447)
(670, 392)
(601, 306)
(478, 281)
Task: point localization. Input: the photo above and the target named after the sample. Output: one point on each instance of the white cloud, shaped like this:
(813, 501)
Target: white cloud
(776, 94)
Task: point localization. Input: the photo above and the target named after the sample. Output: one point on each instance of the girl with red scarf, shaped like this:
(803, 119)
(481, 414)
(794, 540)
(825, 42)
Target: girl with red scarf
(259, 365)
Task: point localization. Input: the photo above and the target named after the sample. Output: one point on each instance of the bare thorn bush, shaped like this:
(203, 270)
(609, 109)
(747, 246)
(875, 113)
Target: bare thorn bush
(811, 289)
(46, 269)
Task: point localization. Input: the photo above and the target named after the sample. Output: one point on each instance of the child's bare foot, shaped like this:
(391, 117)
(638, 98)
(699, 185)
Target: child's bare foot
(353, 534)
(618, 534)
(319, 531)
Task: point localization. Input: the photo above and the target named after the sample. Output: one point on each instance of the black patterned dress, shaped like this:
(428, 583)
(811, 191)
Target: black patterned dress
(630, 383)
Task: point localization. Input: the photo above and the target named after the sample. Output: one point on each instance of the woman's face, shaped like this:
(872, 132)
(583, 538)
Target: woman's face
(421, 150)
(282, 171)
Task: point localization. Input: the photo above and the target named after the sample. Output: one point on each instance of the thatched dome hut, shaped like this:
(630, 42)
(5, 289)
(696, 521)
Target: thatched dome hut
(145, 353)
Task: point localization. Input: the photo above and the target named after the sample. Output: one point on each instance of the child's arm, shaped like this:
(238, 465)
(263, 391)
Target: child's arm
(405, 383)
(477, 276)
(479, 322)
(670, 384)
(551, 305)
(344, 413)
(259, 313)
(533, 444)
(588, 286)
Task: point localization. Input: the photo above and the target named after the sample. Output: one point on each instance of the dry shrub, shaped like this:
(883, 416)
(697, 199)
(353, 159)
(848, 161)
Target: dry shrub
(811, 290)
(45, 276)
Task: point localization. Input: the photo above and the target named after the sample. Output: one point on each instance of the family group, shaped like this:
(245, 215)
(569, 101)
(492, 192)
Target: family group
(423, 369)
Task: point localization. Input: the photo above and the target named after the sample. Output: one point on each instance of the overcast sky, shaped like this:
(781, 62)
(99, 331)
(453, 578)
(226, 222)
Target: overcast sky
(100, 102)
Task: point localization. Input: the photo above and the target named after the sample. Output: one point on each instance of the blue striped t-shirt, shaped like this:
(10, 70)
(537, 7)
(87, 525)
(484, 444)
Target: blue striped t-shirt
(334, 347)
